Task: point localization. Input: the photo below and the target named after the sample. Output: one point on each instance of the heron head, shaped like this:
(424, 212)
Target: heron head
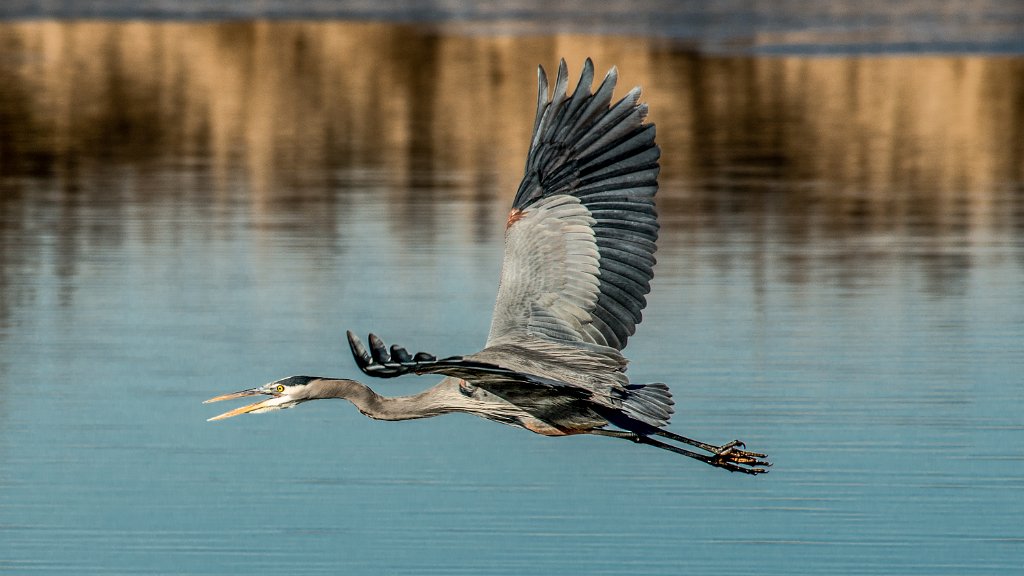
(283, 393)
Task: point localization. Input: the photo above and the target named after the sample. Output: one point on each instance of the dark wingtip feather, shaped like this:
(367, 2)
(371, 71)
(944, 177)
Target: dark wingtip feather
(380, 362)
(359, 352)
(400, 354)
(561, 81)
(379, 350)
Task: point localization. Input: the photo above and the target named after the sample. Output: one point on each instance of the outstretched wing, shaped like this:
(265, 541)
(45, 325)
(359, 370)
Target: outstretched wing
(580, 240)
(510, 371)
(579, 258)
(381, 362)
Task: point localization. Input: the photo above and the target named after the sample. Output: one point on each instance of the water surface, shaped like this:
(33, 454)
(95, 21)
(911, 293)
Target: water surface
(188, 209)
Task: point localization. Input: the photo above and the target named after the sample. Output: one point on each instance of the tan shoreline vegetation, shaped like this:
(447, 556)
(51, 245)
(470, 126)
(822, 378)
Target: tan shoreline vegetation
(283, 100)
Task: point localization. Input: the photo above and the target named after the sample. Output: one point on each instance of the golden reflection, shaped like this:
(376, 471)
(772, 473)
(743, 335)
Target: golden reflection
(879, 142)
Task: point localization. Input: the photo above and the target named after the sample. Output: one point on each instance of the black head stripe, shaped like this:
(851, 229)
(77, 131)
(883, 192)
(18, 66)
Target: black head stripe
(297, 380)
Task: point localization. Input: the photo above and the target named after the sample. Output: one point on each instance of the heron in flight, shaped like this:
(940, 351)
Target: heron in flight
(579, 258)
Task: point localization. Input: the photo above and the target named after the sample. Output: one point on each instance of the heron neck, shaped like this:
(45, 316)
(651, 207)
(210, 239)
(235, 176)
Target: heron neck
(422, 405)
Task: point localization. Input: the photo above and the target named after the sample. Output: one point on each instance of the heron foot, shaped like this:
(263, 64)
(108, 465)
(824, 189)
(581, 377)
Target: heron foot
(729, 456)
(733, 458)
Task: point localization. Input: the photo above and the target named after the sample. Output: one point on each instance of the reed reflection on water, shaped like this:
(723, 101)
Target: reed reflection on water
(183, 204)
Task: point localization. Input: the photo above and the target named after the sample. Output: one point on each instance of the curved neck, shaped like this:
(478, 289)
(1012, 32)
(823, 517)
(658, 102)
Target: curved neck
(423, 405)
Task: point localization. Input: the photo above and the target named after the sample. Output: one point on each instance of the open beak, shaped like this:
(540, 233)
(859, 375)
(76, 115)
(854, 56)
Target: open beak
(244, 409)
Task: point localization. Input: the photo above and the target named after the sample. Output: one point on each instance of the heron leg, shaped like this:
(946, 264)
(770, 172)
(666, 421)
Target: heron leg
(734, 447)
(721, 456)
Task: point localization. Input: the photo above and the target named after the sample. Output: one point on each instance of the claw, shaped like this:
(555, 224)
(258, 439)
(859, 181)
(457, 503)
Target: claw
(746, 466)
(731, 457)
(734, 444)
(731, 449)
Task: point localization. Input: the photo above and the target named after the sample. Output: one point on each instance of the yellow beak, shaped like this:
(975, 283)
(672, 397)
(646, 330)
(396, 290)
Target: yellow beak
(244, 409)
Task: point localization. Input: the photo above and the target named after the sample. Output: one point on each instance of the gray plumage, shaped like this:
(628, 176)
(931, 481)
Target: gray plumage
(578, 262)
(586, 223)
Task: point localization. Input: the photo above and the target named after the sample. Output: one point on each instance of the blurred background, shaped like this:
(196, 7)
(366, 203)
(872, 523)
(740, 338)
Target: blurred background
(201, 197)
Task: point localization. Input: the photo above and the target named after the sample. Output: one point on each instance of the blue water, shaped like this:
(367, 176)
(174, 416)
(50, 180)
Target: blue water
(187, 213)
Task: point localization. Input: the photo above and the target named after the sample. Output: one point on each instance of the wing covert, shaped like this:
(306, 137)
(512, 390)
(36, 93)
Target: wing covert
(580, 240)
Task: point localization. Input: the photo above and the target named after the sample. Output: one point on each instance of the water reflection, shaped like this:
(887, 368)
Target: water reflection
(829, 165)
(933, 145)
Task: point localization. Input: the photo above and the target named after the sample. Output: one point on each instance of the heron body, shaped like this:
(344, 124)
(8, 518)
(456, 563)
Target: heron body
(579, 258)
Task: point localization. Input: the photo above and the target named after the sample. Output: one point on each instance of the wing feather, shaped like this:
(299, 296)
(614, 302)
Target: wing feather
(579, 247)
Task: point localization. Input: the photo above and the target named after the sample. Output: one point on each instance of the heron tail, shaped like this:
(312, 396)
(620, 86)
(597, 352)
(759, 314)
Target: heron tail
(649, 403)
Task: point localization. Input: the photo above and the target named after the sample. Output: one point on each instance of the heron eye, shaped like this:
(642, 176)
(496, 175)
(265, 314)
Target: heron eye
(280, 388)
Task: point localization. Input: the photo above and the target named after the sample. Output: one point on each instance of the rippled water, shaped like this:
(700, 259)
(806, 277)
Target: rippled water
(190, 209)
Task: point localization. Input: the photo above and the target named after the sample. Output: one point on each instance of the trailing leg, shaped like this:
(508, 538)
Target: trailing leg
(721, 456)
(733, 448)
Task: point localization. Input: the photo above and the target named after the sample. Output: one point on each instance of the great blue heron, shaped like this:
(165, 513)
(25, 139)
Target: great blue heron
(579, 257)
